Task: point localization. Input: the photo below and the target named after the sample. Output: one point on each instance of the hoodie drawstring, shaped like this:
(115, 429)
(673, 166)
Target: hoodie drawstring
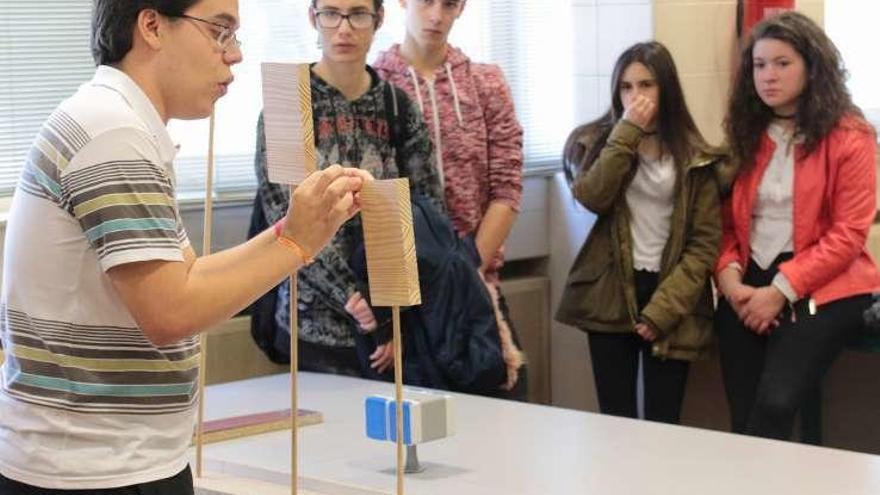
(415, 80)
(454, 94)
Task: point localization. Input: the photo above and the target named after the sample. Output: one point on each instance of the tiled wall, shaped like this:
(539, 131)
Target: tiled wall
(602, 30)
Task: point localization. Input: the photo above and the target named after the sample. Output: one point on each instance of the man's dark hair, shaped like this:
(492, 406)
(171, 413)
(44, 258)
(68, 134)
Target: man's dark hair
(113, 24)
(377, 4)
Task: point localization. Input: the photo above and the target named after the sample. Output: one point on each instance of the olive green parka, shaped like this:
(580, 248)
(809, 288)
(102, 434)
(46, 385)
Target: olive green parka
(600, 296)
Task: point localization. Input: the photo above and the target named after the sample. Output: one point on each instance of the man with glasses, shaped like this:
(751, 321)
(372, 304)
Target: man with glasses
(477, 140)
(360, 121)
(103, 296)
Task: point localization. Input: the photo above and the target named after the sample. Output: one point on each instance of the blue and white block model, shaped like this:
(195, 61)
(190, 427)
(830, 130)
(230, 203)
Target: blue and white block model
(427, 416)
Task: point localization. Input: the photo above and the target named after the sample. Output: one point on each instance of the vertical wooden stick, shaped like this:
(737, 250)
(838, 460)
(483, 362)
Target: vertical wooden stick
(393, 271)
(398, 394)
(206, 250)
(294, 400)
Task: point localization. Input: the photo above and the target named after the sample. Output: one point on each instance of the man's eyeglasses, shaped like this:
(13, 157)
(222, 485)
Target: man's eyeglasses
(332, 19)
(224, 35)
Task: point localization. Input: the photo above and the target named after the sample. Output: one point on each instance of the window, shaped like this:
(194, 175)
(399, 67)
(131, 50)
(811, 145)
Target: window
(850, 23)
(44, 57)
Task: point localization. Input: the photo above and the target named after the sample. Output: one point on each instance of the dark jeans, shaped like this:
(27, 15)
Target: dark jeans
(180, 484)
(768, 378)
(616, 364)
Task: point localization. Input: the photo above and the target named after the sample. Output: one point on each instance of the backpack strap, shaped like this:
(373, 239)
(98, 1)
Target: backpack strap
(396, 116)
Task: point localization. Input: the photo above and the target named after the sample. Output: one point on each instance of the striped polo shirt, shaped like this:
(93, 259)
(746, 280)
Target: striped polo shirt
(87, 400)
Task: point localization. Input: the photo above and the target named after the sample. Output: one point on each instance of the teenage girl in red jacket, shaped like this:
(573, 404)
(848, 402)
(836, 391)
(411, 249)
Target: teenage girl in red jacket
(793, 270)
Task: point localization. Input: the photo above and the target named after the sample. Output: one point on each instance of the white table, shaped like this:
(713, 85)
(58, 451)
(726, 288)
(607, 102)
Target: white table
(508, 448)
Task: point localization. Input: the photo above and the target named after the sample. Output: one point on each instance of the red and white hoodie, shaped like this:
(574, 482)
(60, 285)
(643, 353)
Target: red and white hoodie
(478, 140)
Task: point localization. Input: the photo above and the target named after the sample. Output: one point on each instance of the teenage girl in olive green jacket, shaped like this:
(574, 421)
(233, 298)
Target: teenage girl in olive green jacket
(640, 284)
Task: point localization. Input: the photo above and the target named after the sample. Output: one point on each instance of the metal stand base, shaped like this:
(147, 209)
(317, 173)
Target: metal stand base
(412, 461)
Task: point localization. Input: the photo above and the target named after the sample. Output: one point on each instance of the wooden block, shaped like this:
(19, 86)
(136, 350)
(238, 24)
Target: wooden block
(390, 243)
(287, 116)
(221, 430)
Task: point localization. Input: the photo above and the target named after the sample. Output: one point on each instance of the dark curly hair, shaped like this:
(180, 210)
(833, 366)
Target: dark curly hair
(824, 100)
(675, 126)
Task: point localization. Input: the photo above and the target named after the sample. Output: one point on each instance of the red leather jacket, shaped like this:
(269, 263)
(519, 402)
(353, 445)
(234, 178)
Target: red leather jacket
(834, 207)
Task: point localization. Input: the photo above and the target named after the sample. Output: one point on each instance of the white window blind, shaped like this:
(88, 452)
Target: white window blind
(44, 56)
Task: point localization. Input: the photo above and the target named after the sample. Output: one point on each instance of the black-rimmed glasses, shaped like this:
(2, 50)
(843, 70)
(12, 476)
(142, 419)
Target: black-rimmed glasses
(332, 19)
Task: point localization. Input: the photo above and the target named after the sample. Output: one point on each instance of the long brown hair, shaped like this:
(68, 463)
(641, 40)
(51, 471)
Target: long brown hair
(824, 100)
(675, 127)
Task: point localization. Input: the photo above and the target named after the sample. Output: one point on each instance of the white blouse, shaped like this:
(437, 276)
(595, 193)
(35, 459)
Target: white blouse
(772, 219)
(649, 197)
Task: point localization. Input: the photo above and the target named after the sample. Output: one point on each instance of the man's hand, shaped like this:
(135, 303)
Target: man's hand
(321, 204)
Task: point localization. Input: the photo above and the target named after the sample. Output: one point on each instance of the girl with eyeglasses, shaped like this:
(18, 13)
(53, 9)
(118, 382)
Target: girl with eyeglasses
(360, 121)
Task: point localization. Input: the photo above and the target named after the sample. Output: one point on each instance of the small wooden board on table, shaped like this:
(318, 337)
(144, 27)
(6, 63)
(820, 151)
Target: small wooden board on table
(223, 429)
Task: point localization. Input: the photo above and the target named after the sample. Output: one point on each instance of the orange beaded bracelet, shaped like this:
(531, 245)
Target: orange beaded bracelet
(290, 243)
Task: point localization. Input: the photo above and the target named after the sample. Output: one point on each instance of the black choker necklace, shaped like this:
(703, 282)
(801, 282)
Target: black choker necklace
(785, 117)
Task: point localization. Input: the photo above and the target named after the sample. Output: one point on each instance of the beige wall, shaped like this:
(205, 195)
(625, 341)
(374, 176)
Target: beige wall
(813, 8)
(700, 35)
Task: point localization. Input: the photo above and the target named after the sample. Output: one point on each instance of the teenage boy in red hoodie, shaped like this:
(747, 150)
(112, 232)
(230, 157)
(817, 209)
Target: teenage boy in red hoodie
(477, 139)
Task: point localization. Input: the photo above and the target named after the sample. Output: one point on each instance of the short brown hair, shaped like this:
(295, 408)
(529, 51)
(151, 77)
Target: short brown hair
(113, 23)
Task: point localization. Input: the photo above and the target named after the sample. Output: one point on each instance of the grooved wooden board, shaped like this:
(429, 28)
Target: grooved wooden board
(287, 117)
(220, 430)
(390, 243)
